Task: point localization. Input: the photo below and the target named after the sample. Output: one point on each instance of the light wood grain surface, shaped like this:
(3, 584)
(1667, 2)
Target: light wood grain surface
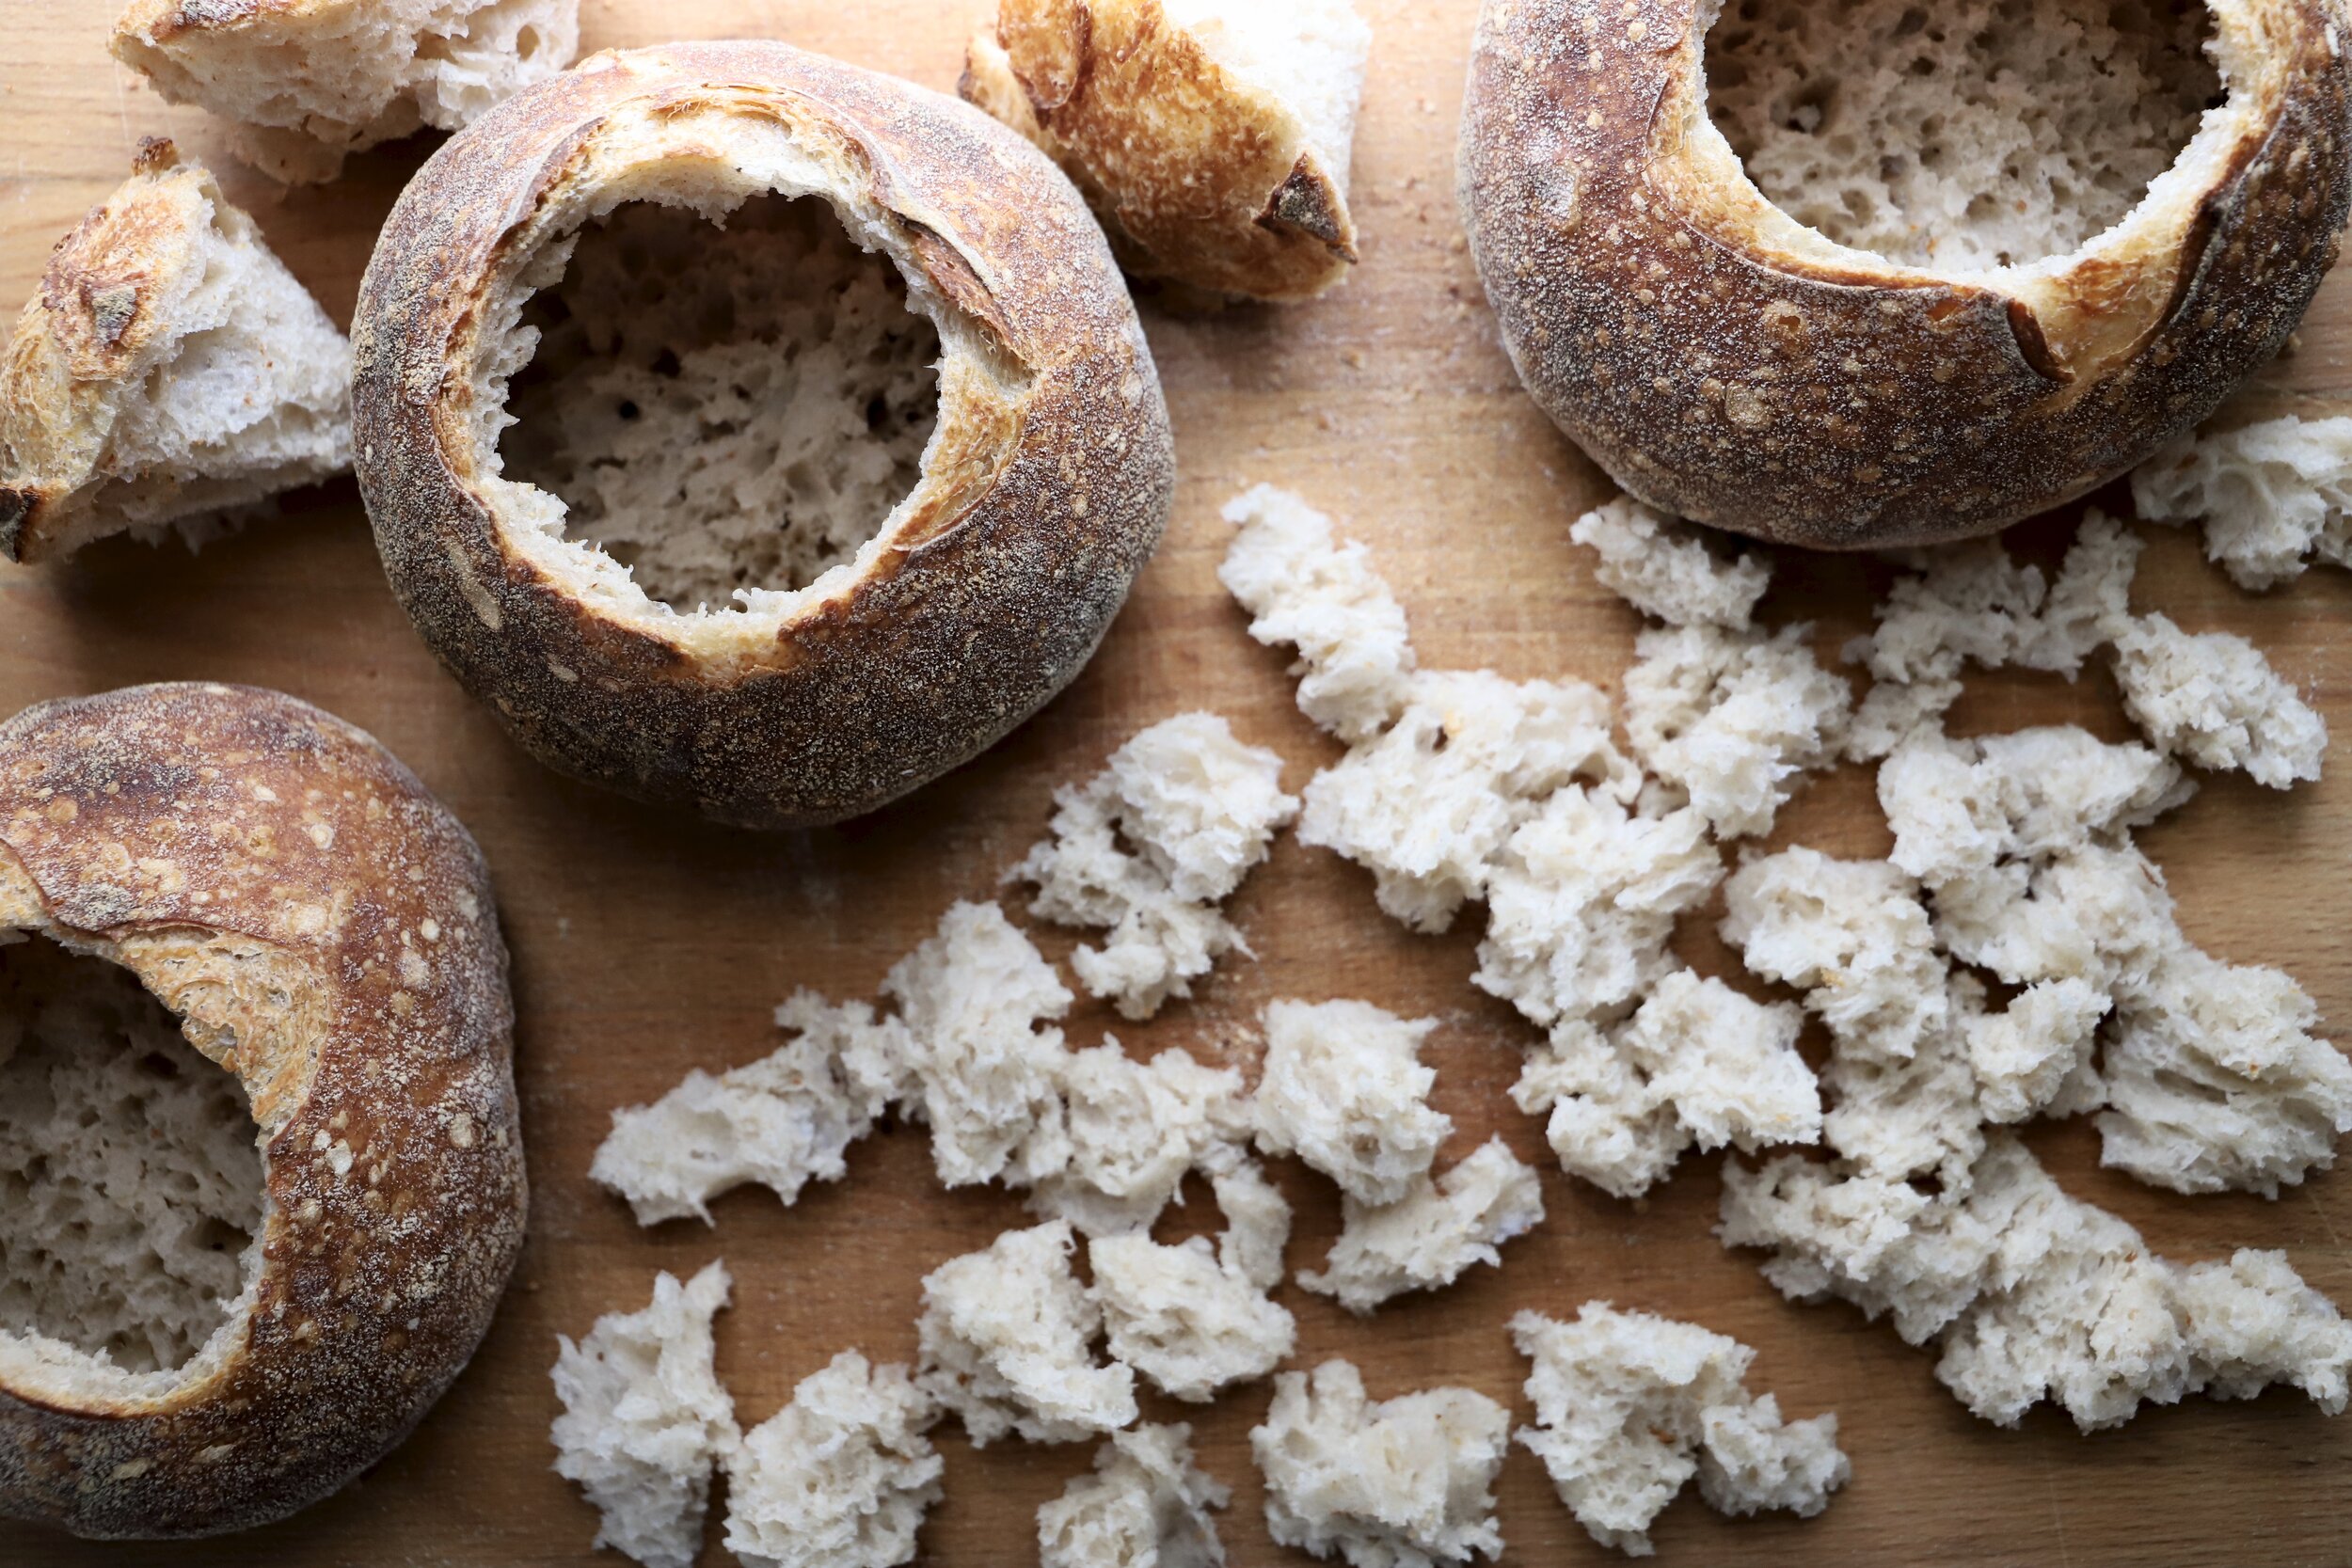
(645, 944)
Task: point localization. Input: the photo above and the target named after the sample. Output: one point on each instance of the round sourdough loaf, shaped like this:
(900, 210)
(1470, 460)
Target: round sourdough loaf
(1043, 489)
(1727, 363)
(323, 928)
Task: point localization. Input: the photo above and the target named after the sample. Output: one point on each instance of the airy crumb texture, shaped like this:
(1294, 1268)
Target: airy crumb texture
(1149, 848)
(1628, 1406)
(169, 369)
(131, 1183)
(1143, 1506)
(1343, 1088)
(1697, 1063)
(1306, 586)
(2034, 1294)
(782, 1121)
(2035, 1055)
(1971, 135)
(841, 1477)
(1432, 1235)
(1395, 1483)
(1662, 567)
(730, 412)
(2273, 496)
(646, 1421)
(1732, 720)
(1007, 1336)
(1136, 1129)
(308, 85)
(978, 1068)
(1852, 935)
(1186, 1318)
(2213, 698)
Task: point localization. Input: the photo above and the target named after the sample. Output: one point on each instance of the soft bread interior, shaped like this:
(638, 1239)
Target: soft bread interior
(131, 1180)
(1963, 135)
(1308, 55)
(729, 412)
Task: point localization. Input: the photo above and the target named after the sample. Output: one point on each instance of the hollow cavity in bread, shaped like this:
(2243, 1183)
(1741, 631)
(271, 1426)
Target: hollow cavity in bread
(131, 1187)
(841, 1477)
(1144, 1505)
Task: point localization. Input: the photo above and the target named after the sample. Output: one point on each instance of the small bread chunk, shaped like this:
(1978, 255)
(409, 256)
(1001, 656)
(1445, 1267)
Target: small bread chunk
(977, 1068)
(1006, 1338)
(169, 369)
(1342, 1087)
(1149, 848)
(2034, 1055)
(1582, 901)
(1431, 1236)
(1257, 1223)
(2273, 496)
(1628, 1406)
(1427, 807)
(1963, 806)
(1306, 586)
(1697, 1063)
(1852, 935)
(783, 1121)
(2213, 699)
(1915, 1117)
(1732, 720)
(307, 85)
(1185, 1318)
(1396, 1484)
(840, 1478)
(1143, 1506)
(1662, 567)
(2095, 913)
(644, 1419)
(1210, 136)
(1136, 1129)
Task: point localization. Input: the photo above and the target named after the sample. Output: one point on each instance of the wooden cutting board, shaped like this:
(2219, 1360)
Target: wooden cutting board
(646, 944)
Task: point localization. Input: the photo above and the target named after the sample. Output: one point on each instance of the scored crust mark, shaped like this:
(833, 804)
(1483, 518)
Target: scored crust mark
(725, 411)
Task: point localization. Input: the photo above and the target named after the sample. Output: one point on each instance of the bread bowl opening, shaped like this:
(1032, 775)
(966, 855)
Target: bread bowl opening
(730, 411)
(131, 1180)
(1959, 135)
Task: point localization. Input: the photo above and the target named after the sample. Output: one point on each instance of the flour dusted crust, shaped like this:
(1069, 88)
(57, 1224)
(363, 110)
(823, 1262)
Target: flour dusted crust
(1727, 365)
(325, 930)
(1211, 136)
(1044, 489)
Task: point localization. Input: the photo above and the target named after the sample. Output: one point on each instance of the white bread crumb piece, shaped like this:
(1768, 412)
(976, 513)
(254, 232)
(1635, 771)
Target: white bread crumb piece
(1144, 1505)
(1006, 1336)
(1628, 1406)
(840, 1478)
(2213, 699)
(1136, 1128)
(1698, 1062)
(2095, 913)
(1397, 1483)
(1149, 848)
(1662, 567)
(1892, 712)
(1343, 1088)
(2034, 1056)
(1852, 935)
(977, 1068)
(1428, 805)
(1432, 1235)
(1257, 1223)
(1307, 588)
(1733, 718)
(1582, 902)
(1903, 1118)
(1961, 806)
(2214, 1081)
(783, 1121)
(2272, 495)
(644, 1419)
(1184, 1319)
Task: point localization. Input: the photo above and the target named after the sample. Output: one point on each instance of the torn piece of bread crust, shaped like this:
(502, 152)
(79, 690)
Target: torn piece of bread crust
(1844, 399)
(1211, 136)
(323, 928)
(307, 82)
(170, 367)
(1043, 490)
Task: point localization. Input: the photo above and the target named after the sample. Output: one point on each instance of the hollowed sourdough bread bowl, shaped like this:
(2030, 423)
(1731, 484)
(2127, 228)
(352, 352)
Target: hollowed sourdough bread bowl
(1724, 361)
(1042, 491)
(325, 931)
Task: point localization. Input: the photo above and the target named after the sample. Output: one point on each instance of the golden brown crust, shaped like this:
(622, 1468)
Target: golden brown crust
(1721, 364)
(1045, 493)
(1201, 177)
(325, 928)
